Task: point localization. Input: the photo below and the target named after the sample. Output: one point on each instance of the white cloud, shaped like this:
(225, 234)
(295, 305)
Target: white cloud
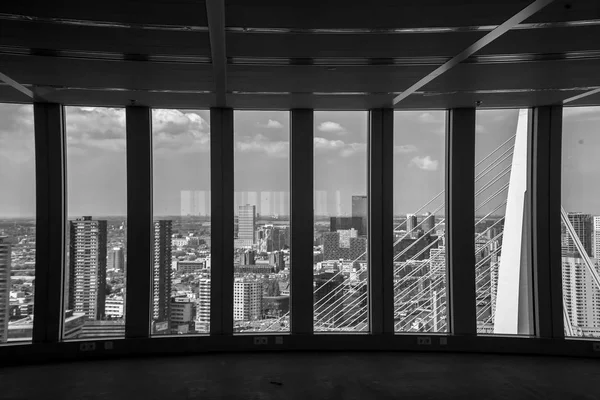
(261, 144)
(325, 144)
(405, 149)
(425, 163)
(427, 117)
(339, 147)
(352, 148)
(272, 124)
(329, 126)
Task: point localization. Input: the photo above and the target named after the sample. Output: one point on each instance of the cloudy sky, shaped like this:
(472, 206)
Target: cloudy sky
(97, 169)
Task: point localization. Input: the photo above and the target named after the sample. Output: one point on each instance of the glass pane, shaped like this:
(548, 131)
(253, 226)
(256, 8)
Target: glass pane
(17, 222)
(181, 197)
(502, 236)
(97, 223)
(261, 286)
(580, 237)
(340, 204)
(419, 222)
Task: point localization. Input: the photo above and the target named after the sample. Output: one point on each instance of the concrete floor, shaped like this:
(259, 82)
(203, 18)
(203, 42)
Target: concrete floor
(309, 376)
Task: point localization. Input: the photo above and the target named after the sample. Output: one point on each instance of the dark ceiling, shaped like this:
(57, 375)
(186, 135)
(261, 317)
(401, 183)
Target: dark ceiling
(284, 54)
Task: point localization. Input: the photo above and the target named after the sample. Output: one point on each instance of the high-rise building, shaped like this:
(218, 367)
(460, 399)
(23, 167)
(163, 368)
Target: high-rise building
(249, 257)
(320, 205)
(246, 223)
(582, 224)
(247, 299)
(428, 223)
(411, 223)
(360, 209)
(596, 238)
(277, 258)
(161, 271)
(182, 314)
(581, 295)
(116, 259)
(5, 255)
(87, 267)
(203, 306)
(344, 245)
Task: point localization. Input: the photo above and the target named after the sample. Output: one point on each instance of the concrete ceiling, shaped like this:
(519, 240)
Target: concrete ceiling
(284, 54)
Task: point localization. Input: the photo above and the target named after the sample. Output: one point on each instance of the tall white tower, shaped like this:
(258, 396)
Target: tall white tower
(513, 313)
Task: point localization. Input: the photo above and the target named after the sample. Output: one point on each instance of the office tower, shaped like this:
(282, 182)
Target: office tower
(327, 298)
(596, 238)
(247, 299)
(87, 267)
(338, 203)
(203, 306)
(344, 245)
(271, 238)
(428, 224)
(181, 317)
(411, 223)
(581, 295)
(5, 255)
(360, 209)
(246, 223)
(582, 224)
(265, 203)
(343, 223)
(249, 257)
(116, 259)
(161, 271)
(277, 258)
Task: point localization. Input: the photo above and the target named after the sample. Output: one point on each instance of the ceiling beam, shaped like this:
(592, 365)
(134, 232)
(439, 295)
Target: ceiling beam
(478, 45)
(581, 96)
(215, 11)
(11, 82)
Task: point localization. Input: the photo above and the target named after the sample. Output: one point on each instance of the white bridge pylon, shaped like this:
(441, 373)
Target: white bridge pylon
(513, 314)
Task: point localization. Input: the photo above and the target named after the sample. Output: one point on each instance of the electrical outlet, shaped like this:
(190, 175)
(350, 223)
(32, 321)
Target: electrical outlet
(88, 346)
(108, 345)
(278, 339)
(261, 340)
(443, 341)
(596, 346)
(424, 340)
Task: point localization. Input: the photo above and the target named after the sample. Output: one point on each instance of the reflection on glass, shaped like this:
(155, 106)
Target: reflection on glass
(181, 281)
(340, 285)
(580, 236)
(503, 277)
(419, 222)
(17, 222)
(261, 287)
(97, 226)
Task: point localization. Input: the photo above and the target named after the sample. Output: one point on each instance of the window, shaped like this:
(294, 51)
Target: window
(341, 225)
(503, 276)
(17, 222)
(181, 278)
(261, 287)
(97, 223)
(419, 222)
(580, 236)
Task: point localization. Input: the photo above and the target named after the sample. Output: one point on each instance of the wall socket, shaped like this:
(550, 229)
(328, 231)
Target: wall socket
(424, 341)
(596, 346)
(88, 346)
(261, 340)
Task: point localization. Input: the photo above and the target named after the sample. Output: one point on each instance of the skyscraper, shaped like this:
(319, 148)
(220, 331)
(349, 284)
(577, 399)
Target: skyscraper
(411, 223)
(161, 271)
(581, 295)
(116, 259)
(428, 223)
(5, 253)
(596, 238)
(87, 267)
(360, 209)
(203, 306)
(246, 223)
(582, 224)
(247, 299)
